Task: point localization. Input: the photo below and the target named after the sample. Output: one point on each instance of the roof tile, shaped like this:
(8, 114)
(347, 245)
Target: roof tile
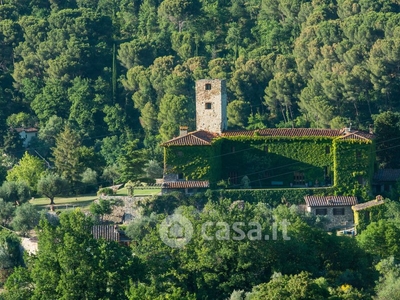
(286, 132)
(202, 137)
(29, 129)
(185, 184)
(358, 135)
(387, 175)
(195, 138)
(365, 205)
(314, 201)
(107, 232)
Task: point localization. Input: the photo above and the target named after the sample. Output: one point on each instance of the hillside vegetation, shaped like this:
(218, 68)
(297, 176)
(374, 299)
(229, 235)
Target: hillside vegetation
(125, 70)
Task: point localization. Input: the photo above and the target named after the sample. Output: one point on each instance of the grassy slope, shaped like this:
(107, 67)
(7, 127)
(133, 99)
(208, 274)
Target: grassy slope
(85, 200)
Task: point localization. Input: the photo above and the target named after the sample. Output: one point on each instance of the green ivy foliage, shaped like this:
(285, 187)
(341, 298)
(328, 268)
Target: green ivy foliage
(368, 215)
(346, 164)
(194, 162)
(267, 159)
(274, 197)
(353, 166)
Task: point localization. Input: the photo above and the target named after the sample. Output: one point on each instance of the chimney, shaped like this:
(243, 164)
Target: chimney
(347, 129)
(183, 130)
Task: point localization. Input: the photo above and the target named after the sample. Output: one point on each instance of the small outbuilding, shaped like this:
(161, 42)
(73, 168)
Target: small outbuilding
(27, 134)
(337, 209)
(384, 180)
(367, 212)
(188, 187)
(110, 233)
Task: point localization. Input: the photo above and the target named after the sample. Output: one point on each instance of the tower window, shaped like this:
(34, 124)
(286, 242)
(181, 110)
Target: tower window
(208, 105)
(327, 150)
(208, 86)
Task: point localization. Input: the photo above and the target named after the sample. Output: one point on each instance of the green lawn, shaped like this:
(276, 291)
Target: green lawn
(84, 201)
(139, 192)
(65, 202)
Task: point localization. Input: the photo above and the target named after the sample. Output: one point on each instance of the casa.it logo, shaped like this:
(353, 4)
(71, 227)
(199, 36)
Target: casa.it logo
(176, 231)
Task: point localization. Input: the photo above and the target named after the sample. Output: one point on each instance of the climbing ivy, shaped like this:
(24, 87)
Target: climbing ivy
(274, 197)
(346, 164)
(193, 162)
(273, 160)
(353, 166)
(370, 214)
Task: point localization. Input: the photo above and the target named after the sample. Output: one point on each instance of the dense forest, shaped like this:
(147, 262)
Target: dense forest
(218, 262)
(107, 81)
(109, 77)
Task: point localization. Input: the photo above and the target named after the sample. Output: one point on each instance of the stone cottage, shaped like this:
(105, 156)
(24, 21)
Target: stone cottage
(337, 209)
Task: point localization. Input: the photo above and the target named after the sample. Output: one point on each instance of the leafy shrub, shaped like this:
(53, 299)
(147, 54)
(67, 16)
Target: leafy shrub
(273, 197)
(105, 191)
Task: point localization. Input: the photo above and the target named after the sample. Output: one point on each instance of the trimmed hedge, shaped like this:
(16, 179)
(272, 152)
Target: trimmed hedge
(106, 191)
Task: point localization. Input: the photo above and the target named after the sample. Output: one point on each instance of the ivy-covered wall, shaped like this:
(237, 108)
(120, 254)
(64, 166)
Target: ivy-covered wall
(353, 166)
(271, 162)
(363, 218)
(194, 162)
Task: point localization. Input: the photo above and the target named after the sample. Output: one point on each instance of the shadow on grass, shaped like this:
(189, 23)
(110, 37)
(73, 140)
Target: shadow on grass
(63, 206)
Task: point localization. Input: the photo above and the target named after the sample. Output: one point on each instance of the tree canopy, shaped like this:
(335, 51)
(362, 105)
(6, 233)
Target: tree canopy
(120, 72)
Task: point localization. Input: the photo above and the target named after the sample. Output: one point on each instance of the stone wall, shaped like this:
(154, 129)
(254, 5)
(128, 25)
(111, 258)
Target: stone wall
(29, 245)
(211, 102)
(131, 209)
(337, 221)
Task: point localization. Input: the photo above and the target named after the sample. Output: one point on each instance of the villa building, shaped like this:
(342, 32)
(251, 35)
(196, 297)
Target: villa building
(266, 158)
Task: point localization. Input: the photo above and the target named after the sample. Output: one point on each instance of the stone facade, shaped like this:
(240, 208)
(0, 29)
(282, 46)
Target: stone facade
(211, 103)
(335, 220)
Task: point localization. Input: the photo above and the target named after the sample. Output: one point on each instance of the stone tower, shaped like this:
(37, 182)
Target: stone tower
(211, 102)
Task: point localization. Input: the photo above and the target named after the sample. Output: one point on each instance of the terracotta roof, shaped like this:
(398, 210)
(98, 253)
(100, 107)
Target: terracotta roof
(195, 138)
(314, 201)
(365, 205)
(107, 232)
(289, 132)
(387, 175)
(202, 137)
(30, 129)
(357, 135)
(185, 184)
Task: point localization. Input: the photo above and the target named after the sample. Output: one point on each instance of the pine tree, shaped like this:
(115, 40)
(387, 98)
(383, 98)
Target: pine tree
(132, 161)
(66, 155)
